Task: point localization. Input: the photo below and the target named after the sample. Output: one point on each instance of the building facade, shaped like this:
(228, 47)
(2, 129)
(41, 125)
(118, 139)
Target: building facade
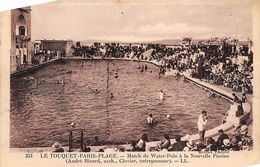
(64, 46)
(20, 38)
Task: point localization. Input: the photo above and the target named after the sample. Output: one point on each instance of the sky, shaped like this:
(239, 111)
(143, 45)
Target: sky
(139, 22)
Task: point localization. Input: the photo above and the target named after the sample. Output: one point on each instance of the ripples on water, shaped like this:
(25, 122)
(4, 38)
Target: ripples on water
(42, 114)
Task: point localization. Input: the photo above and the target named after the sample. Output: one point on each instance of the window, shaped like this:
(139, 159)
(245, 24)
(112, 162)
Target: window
(21, 30)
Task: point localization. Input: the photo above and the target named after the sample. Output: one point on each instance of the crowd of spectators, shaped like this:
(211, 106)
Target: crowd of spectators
(44, 56)
(230, 65)
(237, 140)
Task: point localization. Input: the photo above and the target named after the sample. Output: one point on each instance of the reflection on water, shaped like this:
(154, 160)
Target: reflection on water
(41, 114)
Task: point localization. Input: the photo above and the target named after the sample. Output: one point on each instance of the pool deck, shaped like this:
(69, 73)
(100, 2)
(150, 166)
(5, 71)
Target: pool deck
(33, 67)
(218, 89)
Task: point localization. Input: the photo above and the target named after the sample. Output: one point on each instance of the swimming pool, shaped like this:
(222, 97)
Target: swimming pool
(41, 114)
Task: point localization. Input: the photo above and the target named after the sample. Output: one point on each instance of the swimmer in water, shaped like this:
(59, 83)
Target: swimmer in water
(162, 95)
(185, 79)
(112, 96)
(145, 67)
(116, 76)
(142, 69)
(168, 116)
(96, 91)
(41, 81)
(150, 119)
(72, 124)
(211, 94)
(177, 75)
(62, 81)
(159, 75)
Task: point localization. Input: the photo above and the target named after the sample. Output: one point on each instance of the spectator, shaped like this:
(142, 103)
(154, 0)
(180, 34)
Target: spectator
(202, 121)
(211, 144)
(96, 142)
(86, 148)
(178, 146)
(165, 143)
(227, 145)
(190, 146)
(243, 98)
(235, 98)
(141, 144)
(133, 146)
(221, 138)
(57, 147)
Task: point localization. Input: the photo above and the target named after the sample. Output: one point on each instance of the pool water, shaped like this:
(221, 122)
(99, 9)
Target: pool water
(41, 114)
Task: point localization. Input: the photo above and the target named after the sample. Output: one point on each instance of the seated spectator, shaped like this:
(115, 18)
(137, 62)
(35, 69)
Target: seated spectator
(190, 146)
(211, 144)
(57, 147)
(227, 145)
(178, 146)
(221, 138)
(133, 146)
(120, 149)
(86, 148)
(141, 144)
(243, 129)
(165, 143)
(200, 146)
(236, 143)
(96, 142)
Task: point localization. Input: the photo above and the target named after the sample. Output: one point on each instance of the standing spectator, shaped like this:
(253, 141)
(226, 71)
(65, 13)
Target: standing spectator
(235, 98)
(202, 121)
(243, 98)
